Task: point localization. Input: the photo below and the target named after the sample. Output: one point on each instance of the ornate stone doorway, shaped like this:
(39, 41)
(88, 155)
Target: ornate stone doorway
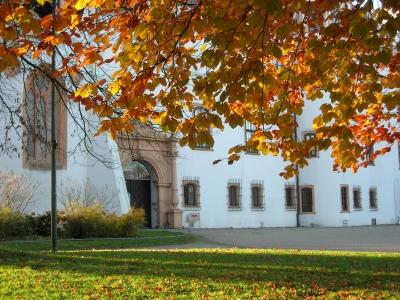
(153, 154)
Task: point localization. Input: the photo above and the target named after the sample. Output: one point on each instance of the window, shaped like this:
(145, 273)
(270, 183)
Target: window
(234, 194)
(373, 199)
(344, 196)
(249, 130)
(37, 124)
(310, 136)
(257, 195)
(290, 201)
(197, 112)
(369, 154)
(307, 199)
(357, 198)
(191, 192)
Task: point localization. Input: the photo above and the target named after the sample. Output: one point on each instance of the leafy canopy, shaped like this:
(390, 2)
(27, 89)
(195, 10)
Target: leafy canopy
(257, 61)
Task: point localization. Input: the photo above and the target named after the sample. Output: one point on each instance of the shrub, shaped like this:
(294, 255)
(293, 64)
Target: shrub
(82, 221)
(13, 224)
(77, 222)
(130, 222)
(40, 224)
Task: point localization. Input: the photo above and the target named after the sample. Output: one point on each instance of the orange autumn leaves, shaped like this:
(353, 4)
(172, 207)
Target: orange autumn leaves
(243, 61)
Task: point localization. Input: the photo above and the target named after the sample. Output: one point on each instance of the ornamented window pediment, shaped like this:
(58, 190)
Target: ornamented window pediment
(37, 123)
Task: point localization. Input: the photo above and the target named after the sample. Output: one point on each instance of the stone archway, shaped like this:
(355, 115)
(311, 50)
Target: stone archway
(159, 152)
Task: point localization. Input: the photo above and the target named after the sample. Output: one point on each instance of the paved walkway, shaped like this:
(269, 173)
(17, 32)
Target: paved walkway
(365, 238)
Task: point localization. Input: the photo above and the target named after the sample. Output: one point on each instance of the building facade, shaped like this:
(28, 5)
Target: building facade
(180, 187)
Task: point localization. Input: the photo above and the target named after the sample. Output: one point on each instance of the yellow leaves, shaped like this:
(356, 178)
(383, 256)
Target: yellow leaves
(85, 91)
(23, 49)
(113, 88)
(74, 21)
(143, 31)
(81, 4)
(42, 2)
(203, 47)
(161, 67)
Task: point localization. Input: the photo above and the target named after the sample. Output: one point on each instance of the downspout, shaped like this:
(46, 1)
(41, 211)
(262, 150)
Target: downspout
(297, 177)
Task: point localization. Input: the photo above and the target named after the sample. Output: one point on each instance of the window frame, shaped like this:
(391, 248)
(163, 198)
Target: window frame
(238, 187)
(260, 186)
(357, 189)
(251, 129)
(206, 145)
(314, 151)
(195, 182)
(374, 191)
(293, 195)
(347, 195)
(312, 199)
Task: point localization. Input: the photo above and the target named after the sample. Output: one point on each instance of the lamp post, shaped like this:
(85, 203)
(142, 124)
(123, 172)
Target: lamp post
(53, 143)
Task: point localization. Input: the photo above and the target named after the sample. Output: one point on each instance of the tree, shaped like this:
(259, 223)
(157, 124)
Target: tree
(256, 61)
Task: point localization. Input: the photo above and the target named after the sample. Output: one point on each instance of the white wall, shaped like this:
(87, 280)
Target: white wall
(214, 179)
(75, 170)
(81, 165)
(326, 182)
(214, 212)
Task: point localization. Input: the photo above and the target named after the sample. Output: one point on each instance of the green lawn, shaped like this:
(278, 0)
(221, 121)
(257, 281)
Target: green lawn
(144, 238)
(193, 274)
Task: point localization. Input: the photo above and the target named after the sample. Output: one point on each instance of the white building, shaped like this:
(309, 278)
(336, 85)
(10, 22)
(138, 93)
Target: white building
(181, 187)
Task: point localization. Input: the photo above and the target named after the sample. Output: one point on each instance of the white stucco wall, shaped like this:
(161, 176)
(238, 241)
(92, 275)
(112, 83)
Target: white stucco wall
(383, 176)
(214, 211)
(75, 171)
(81, 165)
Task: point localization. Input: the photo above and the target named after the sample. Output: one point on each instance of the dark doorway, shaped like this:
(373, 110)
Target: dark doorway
(140, 196)
(141, 179)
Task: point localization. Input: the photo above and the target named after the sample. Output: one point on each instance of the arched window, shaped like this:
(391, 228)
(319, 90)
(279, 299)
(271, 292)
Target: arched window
(37, 123)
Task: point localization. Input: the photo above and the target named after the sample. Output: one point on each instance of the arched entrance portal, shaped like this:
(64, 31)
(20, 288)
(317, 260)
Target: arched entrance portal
(141, 183)
(154, 155)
